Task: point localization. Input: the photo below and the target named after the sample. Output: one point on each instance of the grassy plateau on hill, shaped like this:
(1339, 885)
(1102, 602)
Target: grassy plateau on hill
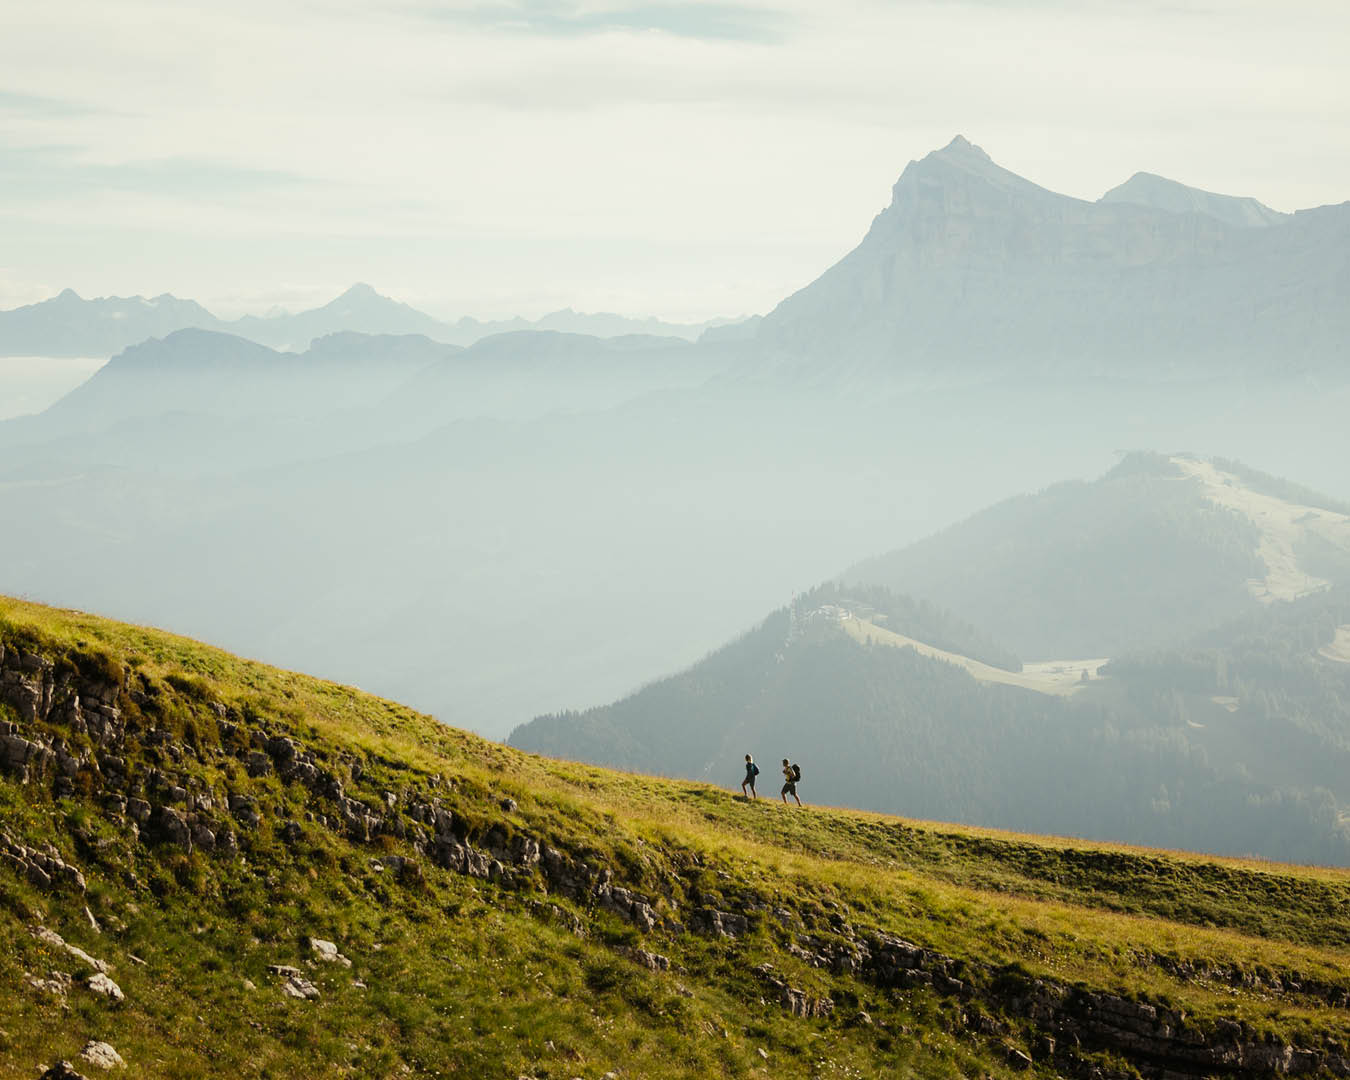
(220, 868)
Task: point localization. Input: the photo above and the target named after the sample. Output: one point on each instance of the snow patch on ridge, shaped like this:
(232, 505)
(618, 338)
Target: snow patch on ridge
(1284, 528)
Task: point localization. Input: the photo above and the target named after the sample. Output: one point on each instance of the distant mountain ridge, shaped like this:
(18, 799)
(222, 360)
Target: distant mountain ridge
(1157, 549)
(1149, 189)
(69, 325)
(973, 273)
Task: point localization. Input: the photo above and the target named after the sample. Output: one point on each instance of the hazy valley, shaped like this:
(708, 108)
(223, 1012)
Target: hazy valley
(1007, 481)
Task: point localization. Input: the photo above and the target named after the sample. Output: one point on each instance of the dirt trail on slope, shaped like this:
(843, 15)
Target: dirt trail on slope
(1283, 526)
(1056, 677)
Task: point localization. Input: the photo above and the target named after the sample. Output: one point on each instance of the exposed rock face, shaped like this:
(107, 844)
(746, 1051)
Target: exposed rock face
(173, 808)
(718, 923)
(795, 1001)
(44, 869)
(172, 826)
(56, 983)
(56, 941)
(973, 270)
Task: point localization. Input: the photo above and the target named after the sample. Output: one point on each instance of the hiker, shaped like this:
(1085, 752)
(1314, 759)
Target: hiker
(751, 771)
(792, 775)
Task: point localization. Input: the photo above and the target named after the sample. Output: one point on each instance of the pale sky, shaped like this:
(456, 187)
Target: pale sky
(680, 159)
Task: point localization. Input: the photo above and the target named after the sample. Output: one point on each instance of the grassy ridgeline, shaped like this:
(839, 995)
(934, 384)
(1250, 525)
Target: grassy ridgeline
(549, 968)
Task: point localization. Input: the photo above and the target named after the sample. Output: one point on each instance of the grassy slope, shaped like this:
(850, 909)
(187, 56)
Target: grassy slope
(464, 977)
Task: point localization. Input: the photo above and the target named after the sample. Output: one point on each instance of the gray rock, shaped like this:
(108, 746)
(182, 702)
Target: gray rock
(327, 951)
(56, 941)
(101, 984)
(62, 1070)
(300, 988)
(245, 811)
(102, 1055)
(172, 827)
(56, 982)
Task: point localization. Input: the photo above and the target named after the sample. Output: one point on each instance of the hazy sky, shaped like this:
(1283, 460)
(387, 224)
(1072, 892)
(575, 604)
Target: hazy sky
(680, 159)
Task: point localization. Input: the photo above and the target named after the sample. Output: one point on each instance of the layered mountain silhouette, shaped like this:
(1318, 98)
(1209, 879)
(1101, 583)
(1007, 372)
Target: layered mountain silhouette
(973, 272)
(68, 325)
(547, 517)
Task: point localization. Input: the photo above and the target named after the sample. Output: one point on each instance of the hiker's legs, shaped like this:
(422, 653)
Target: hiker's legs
(794, 795)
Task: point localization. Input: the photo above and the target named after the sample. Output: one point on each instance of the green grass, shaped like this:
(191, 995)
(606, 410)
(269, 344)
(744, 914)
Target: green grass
(464, 977)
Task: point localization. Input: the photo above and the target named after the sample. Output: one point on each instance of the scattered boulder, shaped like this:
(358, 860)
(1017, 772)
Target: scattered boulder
(62, 1070)
(328, 952)
(101, 984)
(300, 988)
(102, 1055)
(56, 982)
(651, 961)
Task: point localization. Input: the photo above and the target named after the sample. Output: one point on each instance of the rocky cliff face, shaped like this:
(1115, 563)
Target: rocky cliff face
(973, 270)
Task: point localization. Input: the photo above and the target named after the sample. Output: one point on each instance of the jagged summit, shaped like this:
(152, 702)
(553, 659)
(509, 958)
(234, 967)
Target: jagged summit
(959, 163)
(962, 147)
(973, 269)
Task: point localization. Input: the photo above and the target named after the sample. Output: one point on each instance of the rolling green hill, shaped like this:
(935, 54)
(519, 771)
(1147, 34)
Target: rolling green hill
(219, 868)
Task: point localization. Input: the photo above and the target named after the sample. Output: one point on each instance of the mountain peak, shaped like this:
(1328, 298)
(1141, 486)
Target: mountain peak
(964, 147)
(1160, 193)
(360, 291)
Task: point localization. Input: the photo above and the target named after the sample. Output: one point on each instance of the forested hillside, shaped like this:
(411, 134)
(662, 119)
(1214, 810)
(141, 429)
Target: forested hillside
(1145, 556)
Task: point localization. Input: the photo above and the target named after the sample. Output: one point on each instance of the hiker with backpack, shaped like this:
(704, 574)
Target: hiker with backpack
(751, 771)
(792, 775)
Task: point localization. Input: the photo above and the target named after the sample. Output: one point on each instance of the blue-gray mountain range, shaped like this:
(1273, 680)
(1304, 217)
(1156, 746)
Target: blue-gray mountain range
(70, 325)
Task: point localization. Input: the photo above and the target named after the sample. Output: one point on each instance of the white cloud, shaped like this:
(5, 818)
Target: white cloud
(494, 158)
